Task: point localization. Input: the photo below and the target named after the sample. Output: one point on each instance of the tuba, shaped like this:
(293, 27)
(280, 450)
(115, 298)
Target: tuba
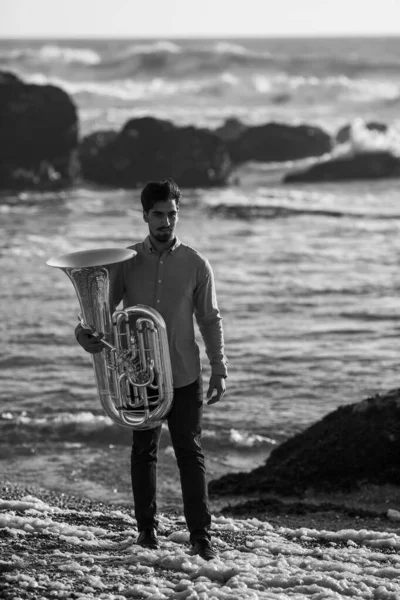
(133, 374)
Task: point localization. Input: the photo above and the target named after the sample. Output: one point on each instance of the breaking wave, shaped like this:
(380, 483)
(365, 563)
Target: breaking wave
(196, 57)
(89, 428)
(269, 211)
(49, 53)
(275, 89)
(292, 76)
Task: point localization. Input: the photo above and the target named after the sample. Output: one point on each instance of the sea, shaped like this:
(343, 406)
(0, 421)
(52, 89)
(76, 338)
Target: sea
(307, 275)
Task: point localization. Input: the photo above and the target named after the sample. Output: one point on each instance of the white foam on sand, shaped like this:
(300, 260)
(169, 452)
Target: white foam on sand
(256, 560)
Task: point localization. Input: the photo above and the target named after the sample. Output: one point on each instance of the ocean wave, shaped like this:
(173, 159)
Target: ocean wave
(349, 65)
(367, 316)
(89, 428)
(140, 57)
(236, 49)
(226, 85)
(275, 202)
(51, 53)
(264, 209)
(325, 86)
(151, 48)
(219, 70)
(128, 89)
(176, 59)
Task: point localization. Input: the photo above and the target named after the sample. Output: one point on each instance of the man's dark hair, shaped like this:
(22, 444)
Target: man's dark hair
(156, 191)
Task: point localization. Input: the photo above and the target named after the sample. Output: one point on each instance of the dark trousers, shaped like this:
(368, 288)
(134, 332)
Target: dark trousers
(184, 424)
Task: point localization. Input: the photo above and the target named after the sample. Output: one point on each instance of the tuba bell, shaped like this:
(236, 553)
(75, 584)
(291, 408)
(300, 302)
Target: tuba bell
(133, 373)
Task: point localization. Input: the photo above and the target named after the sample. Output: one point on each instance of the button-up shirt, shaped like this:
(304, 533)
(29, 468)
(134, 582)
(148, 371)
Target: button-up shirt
(179, 284)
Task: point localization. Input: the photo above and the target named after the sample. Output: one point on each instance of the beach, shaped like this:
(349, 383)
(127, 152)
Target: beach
(58, 546)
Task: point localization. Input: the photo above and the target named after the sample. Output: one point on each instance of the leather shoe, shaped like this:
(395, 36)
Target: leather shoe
(148, 539)
(204, 549)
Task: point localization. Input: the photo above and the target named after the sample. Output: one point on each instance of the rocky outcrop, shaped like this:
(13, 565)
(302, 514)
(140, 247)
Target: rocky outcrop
(353, 445)
(276, 142)
(366, 165)
(152, 149)
(38, 135)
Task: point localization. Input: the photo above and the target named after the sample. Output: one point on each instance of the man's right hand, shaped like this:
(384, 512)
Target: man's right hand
(89, 342)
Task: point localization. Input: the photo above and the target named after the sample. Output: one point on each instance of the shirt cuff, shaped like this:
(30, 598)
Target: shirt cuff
(219, 370)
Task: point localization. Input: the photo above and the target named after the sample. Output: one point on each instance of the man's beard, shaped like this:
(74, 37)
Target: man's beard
(164, 236)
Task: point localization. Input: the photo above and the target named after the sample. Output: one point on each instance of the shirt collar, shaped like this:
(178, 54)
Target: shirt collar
(148, 246)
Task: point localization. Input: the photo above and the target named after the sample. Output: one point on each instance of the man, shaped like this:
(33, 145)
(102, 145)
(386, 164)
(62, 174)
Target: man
(178, 282)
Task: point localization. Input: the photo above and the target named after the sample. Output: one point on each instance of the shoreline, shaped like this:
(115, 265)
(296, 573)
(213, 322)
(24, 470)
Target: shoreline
(101, 473)
(371, 507)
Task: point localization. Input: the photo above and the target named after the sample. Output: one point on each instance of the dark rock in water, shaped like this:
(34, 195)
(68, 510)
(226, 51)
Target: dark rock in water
(146, 128)
(343, 135)
(231, 129)
(94, 155)
(7, 78)
(151, 149)
(368, 165)
(275, 142)
(38, 136)
(353, 445)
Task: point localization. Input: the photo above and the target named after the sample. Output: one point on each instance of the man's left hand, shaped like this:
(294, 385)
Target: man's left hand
(216, 389)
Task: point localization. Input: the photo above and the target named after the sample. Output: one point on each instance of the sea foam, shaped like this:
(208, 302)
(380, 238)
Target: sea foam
(362, 140)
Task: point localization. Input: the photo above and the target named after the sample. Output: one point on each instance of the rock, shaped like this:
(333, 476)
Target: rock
(38, 135)
(7, 78)
(146, 128)
(151, 149)
(366, 165)
(231, 129)
(343, 135)
(275, 142)
(95, 156)
(353, 445)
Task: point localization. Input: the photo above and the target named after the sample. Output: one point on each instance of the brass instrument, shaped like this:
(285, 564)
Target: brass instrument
(133, 373)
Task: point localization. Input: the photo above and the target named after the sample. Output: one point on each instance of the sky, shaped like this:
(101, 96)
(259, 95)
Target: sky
(199, 18)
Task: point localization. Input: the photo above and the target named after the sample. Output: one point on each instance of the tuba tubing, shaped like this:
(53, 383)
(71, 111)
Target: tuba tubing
(133, 373)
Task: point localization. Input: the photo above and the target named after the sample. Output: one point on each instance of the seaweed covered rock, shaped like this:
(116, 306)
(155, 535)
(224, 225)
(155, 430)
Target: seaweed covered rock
(355, 444)
(152, 149)
(38, 135)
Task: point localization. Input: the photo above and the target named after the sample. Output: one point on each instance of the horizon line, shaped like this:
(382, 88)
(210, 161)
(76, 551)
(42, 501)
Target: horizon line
(201, 36)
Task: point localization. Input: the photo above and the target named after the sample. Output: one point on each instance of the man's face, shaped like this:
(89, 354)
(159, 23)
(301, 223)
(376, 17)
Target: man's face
(162, 220)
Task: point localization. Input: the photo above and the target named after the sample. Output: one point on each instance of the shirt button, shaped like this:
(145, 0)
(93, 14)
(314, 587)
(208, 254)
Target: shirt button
(158, 301)
(159, 281)
(161, 262)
